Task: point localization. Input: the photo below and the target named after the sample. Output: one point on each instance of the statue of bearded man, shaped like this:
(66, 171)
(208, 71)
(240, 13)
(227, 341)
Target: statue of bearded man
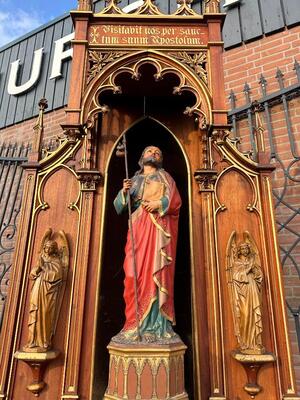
(156, 204)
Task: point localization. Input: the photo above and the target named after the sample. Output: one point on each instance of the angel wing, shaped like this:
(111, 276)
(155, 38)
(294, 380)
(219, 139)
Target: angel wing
(46, 237)
(64, 250)
(254, 250)
(231, 255)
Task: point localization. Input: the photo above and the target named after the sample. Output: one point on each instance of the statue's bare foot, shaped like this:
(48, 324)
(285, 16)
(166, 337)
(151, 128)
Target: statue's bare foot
(149, 337)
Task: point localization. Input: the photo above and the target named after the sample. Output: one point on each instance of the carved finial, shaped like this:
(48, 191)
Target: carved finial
(148, 8)
(85, 5)
(184, 8)
(112, 7)
(39, 127)
(212, 6)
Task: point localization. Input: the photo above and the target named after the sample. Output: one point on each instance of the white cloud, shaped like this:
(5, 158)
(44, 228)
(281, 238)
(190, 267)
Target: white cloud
(17, 23)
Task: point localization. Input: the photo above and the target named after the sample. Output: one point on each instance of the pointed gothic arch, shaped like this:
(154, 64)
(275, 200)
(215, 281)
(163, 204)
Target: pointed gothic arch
(110, 291)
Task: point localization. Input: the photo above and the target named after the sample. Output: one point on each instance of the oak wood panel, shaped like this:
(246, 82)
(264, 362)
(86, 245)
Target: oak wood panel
(60, 189)
(237, 217)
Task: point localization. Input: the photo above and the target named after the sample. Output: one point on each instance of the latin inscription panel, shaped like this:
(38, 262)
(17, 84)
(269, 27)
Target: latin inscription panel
(140, 35)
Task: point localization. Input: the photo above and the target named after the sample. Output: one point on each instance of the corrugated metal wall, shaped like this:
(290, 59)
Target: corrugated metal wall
(253, 18)
(247, 21)
(17, 108)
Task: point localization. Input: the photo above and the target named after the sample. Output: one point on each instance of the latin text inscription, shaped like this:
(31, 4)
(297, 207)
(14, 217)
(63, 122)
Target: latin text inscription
(141, 35)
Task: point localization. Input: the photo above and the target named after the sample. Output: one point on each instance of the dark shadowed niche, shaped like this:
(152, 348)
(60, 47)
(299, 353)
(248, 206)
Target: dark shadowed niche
(146, 131)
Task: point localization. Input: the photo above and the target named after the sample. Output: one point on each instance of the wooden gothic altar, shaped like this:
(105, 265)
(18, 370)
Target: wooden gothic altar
(159, 79)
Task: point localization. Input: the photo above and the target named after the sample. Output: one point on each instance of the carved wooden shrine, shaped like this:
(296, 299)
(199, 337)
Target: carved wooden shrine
(158, 78)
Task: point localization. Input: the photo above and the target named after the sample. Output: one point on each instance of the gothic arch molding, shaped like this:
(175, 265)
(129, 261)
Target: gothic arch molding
(105, 81)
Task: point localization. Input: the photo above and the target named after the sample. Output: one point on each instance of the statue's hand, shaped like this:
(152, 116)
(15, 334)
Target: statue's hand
(35, 272)
(151, 206)
(127, 183)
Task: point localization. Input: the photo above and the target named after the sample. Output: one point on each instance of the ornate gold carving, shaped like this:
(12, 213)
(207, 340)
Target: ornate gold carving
(37, 363)
(135, 358)
(212, 6)
(184, 8)
(148, 8)
(111, 8)
(196, 61)
(206, 179)
(39, 127)
(73, 132)
(46, 293)
(89, 179)
(84, 5)
(245, 277)
(99, 59)
(220, 135)
(163, 67)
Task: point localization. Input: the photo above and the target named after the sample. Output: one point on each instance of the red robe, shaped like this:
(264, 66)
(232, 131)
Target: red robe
(155, 239)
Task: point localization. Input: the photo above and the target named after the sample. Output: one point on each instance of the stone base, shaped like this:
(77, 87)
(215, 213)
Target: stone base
(146, 372)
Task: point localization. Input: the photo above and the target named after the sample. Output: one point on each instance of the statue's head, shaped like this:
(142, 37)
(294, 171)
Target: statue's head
(50, 247)
(244, 249)
(151, 155)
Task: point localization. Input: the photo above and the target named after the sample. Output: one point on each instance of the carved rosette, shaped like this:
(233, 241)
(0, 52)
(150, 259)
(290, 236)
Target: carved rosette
(206, 179)
(89, 179)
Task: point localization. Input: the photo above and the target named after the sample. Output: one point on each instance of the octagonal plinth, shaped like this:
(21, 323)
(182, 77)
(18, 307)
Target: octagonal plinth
(146, 371)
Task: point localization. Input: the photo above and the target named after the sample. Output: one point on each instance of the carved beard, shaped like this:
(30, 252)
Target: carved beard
(152, 161)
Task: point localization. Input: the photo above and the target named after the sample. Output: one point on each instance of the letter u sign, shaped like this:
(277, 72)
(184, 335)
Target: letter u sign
(12, 87)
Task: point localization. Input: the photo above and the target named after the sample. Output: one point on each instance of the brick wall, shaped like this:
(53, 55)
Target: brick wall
(246, 64)
(23, 131)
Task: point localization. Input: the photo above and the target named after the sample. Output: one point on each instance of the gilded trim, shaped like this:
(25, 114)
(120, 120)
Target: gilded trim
(167, 234)
(196, 349)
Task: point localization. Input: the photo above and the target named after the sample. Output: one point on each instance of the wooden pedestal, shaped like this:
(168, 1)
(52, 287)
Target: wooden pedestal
(37, 363)
(146, 371)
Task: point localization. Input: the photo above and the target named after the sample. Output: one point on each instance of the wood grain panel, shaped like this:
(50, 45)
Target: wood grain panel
(237, 217)
(61, 188)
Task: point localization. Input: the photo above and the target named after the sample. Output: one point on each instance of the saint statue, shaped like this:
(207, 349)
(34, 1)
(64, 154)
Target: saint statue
(245, 280)
(45, 297)
(156, 204)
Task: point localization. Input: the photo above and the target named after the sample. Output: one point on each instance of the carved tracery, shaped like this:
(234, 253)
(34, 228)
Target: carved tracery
(102, 79)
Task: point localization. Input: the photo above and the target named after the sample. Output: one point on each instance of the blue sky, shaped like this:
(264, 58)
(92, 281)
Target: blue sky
(19, 17)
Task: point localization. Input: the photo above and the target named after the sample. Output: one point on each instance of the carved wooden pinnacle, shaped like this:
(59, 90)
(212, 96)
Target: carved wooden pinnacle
(85, 5)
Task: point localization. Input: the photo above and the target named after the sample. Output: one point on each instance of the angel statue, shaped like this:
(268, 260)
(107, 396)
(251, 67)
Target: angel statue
(245, 278)
(46, 292)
